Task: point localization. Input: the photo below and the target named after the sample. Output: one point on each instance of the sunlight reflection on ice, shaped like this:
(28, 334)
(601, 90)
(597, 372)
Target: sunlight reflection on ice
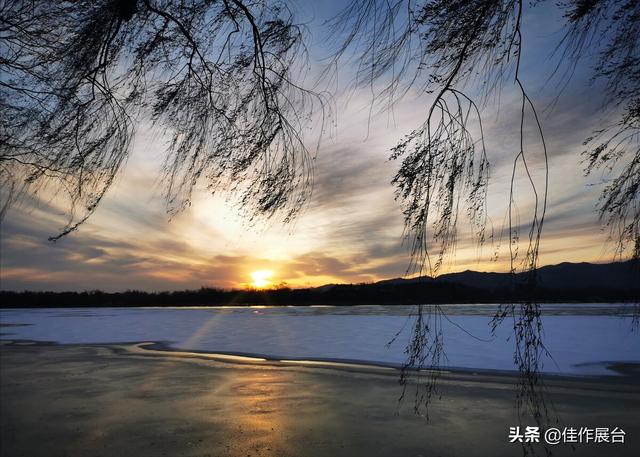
(580, 337)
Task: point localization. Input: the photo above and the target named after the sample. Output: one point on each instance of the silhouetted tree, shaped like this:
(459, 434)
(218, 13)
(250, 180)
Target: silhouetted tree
(442, 47)
(219, 76)
(446, 48)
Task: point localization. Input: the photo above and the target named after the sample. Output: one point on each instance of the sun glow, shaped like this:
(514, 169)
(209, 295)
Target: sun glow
(261, 278)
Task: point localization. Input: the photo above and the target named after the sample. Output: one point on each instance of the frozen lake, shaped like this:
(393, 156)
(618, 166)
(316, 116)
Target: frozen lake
(581, 338)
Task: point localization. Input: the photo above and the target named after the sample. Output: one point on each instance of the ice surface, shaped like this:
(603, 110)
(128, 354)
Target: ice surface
(578, 337)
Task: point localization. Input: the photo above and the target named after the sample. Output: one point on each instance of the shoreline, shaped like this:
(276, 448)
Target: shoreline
(624, 373)
(620, 369)
(596, 301)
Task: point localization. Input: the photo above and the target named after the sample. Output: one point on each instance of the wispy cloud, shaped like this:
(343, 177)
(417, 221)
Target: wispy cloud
(351, 230)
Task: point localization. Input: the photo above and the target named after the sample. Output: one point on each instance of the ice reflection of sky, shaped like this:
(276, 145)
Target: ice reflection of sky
(578, 336)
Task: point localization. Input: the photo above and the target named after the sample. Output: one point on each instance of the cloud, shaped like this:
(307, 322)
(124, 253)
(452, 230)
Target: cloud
(351, 230)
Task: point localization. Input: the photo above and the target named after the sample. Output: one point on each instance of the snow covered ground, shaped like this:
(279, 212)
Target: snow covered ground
(579, 337)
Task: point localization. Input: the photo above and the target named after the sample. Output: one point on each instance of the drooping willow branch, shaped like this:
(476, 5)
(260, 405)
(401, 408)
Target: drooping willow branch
(221, 79)
(425, 350)
(618, 147)
(612, 30)
(438, 49)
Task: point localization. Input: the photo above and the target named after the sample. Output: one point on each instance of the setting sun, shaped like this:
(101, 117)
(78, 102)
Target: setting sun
(261, 278)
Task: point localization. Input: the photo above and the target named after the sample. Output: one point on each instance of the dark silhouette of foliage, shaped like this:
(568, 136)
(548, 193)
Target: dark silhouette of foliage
(612, 30)
(442, 47)
(219, 77)
(619, 147)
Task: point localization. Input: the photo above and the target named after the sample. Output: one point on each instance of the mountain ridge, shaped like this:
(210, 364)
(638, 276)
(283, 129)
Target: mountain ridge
(571, 275)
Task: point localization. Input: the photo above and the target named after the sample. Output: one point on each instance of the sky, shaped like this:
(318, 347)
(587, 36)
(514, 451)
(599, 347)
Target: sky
(351, 230)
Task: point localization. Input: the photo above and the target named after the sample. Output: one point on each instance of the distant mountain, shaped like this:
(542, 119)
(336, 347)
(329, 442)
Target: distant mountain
(618, 275)
(575, 282)
(564, 276)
